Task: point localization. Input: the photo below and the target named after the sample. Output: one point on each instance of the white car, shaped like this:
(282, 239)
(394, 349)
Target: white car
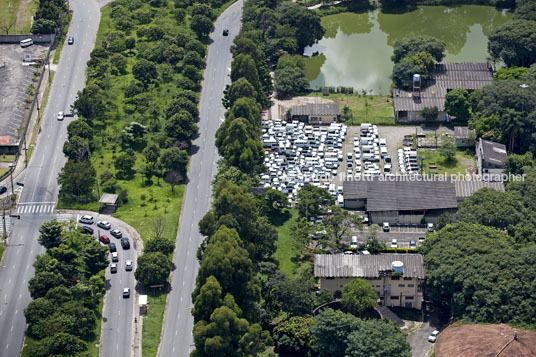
(128, 265)
(433, 336)
(115, 257)
(60, 116)
(86, 219)
(386, 227)
(394, 243)
(430, 227)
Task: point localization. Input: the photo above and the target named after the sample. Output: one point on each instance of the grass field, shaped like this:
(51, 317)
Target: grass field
(463, 161)
(152, 323)
(8, 15)
(1, 251)
(286, 254)
(374, 109)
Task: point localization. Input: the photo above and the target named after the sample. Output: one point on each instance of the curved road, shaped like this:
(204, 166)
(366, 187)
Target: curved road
(177, 339)
(41, 189)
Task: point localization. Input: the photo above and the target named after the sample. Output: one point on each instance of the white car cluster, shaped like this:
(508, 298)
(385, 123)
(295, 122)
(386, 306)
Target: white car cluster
(407, 158)
(369, 149)
(299, 154)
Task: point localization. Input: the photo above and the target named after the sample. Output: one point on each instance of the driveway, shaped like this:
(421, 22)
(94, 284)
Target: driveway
(420, 347)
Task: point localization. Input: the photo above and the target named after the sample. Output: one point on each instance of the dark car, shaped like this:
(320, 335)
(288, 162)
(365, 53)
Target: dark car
(87, 230)
(3, 189)
(113, 248)
(116, 233)
(225, 32)
(125, 243)
(70, 40)
(104, 239)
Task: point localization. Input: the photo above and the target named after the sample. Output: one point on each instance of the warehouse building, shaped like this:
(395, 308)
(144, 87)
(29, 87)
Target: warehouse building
(397, 278)
(316, 113)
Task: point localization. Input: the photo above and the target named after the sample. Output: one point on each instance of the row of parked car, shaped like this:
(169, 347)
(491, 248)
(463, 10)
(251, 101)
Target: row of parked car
(104, 239)
(298, 154)
(408, 161)
(369, 149)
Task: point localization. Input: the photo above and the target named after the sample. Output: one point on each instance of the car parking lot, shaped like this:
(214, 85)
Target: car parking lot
(403, 234)
(16, 76)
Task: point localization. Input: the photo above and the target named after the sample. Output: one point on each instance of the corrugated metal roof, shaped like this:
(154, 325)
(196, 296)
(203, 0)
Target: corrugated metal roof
(366, 266)
(469, 187)
(462, 132)
(316, 109)
(354, 191)
(448, 75)
(403, 193)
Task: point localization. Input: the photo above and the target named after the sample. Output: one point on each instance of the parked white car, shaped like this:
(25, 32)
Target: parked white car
(433, 336)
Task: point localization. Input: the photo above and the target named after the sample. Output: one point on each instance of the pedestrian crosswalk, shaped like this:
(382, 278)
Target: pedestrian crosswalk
(36, 207)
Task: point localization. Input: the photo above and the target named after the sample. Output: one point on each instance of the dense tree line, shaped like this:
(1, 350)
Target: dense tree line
(66, 290)
(48, 16)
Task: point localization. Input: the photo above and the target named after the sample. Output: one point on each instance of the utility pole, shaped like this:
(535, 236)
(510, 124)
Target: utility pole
(4, 220)
(11, 169)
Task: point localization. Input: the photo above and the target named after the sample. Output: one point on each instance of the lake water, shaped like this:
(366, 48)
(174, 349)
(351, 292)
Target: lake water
(356, 49)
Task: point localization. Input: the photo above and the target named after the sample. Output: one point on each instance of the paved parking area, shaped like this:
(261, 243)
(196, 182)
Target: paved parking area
(15, 77)
(403, 234)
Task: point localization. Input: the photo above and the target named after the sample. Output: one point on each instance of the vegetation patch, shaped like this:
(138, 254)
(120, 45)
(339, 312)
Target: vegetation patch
(152, 323)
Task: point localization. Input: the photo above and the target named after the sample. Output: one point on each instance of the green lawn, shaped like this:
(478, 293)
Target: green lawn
(463, 161)
(8, 12)
(8, 15)
(286, 254)
(152, 323)
(373, 109)
(1, 251)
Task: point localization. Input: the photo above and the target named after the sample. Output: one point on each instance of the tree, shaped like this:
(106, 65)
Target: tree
(330, 331)
(181, 126)
(517, 164)
(153, 268)
(444, 219)
(240, 88)
(234, 201)
(290, 81)
(221, 336)
(377, 338)
(160, 244)
(306, 22)
(7, 24)
(175, 159)
(43, 26)
(89, 102)
(410, 46)
(525, 10)
(372, 244)
(293, 337)
(295, 297)
(457, 104)
(403, 72)
(42, 282)
(51, 234)
(79, 128)
(514, 43)
(61, 343)
(255, 340)
(95, 257)
(244, 66)
(208, 300)
(145, 71)
(358, 296)
(474, 272)
(230, 264)
(502, 210)
(77, 179)
(37, 310)
(429, 113)
(448, 150)
(313, 201)
(340, 222)
(77, 149)
(124, 164)
(201, 25)
(182, 103)
(151, 153)
(173, 177)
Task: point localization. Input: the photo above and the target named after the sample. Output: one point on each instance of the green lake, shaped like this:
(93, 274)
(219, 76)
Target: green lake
(356, 49)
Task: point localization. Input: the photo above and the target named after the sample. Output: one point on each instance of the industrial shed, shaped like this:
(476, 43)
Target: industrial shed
(396, 278)
(408, 104)
(401, 200)
(316, 113)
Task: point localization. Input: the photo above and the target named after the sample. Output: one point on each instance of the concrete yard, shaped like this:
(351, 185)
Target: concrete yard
(16, 79)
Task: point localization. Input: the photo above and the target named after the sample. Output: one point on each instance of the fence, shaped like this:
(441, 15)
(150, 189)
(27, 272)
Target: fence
(36, 38)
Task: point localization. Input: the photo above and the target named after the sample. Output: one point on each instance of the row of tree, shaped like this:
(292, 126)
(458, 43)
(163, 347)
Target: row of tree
(66, 289)
(48, 16)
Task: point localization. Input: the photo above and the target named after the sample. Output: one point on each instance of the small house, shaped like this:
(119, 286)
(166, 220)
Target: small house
(464, 137)
(491, 157)
(316, 113)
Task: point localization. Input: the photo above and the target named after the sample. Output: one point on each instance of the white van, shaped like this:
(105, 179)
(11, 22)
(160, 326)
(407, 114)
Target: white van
(353, 243)
(27, 42)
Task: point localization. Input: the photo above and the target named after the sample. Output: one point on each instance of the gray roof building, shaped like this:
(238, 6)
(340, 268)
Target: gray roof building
(466, 189)
(315, 109)
(462, 132)
(492, 152)
(366, 266)
(402, 194)
(448, 76)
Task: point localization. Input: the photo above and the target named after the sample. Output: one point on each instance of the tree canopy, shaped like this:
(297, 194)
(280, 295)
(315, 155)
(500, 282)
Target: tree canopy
(358, 296)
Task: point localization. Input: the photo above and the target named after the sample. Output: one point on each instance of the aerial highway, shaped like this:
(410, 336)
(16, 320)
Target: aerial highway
(39, 197)
(177, 337)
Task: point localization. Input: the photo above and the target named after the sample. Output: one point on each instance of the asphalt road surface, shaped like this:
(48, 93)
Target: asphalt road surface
(41, 188)
(177, 339)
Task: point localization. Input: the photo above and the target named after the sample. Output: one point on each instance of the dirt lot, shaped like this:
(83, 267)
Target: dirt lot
(16, 79)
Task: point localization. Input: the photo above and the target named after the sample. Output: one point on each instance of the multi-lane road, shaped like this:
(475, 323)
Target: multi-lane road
(177, 337)
(40, 184)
